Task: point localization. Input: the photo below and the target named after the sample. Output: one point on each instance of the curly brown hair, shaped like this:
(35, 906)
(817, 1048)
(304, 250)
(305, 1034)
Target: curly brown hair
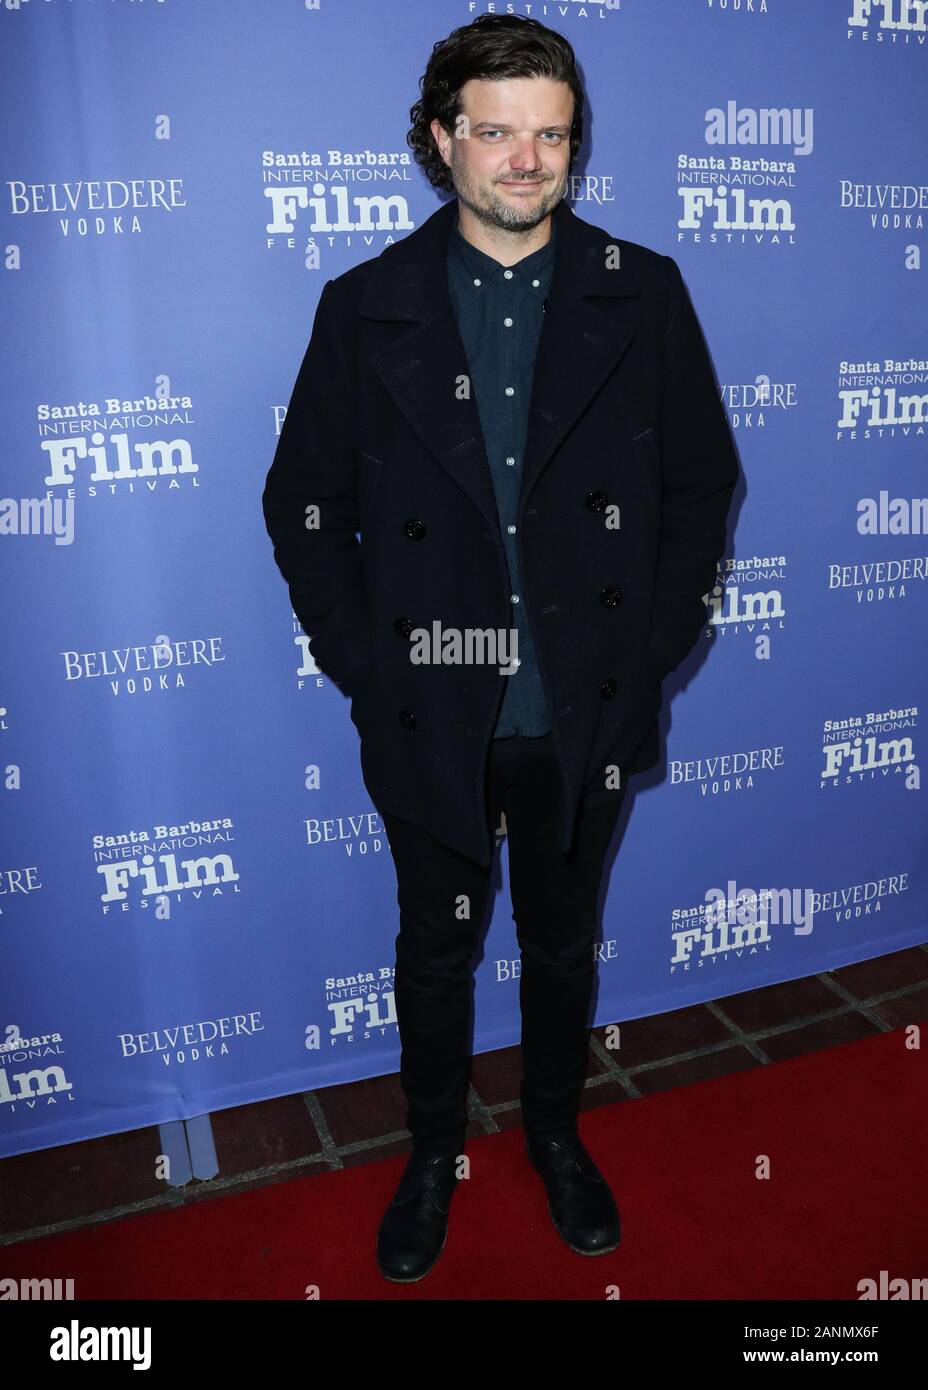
(493, 46)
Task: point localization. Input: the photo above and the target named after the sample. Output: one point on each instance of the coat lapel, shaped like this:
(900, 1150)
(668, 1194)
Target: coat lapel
(578, 347)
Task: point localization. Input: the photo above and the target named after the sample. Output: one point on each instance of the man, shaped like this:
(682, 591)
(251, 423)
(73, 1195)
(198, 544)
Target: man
(518, 414)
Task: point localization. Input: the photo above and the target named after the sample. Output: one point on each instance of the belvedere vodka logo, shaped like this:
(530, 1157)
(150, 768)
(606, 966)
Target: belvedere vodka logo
(28, 1078)
(730, 196)
(147, 668)
(326, 198)
(752, 405)
(359, 1006)
(853, 901)
(17, 883)
(871, 745)
(887, 207)
(717, 774)
(737, 9)
(80, 208)
(177, 1044)
(116, 447)
(877, 581)
(355, 835)
(885, 398)
(898, 22)
(595, 190)
(154, 868)
(508, 969)
(747, 599)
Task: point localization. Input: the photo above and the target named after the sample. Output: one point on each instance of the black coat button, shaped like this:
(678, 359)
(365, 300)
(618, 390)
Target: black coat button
(608, 688)
(403, 627)
(610, 595)
(596, 501)
(408, 719)
(414, 528)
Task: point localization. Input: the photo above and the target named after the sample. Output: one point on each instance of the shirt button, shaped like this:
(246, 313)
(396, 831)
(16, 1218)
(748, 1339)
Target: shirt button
(477, 282)
(510, 460)
(507, 274)
(536, 283)
(515, 598)
(511, 530)
(510, 390)
(508, 322)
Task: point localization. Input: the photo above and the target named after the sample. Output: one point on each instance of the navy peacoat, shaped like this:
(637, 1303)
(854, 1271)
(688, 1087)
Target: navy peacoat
(380, 505)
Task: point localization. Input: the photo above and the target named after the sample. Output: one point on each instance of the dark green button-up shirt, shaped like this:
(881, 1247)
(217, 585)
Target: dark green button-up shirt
(500, 312)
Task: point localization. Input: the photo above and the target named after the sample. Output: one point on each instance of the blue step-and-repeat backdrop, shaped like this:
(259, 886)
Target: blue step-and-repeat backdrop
(197, 898)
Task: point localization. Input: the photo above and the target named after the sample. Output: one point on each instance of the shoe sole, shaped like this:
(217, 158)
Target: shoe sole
(412, 1278)
(602, 1250)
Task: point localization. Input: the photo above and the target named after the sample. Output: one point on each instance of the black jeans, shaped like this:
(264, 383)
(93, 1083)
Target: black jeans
(554, 899)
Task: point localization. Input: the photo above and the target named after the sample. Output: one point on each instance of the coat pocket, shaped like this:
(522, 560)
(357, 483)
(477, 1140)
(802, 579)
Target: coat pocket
(357, 687)
(372, 472)
(655, 665)
(648, 452)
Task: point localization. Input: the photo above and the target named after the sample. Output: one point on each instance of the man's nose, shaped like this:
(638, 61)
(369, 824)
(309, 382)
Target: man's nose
(524, 157)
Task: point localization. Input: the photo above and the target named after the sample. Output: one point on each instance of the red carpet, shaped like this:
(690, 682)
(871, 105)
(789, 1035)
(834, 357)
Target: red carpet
(844, 1131)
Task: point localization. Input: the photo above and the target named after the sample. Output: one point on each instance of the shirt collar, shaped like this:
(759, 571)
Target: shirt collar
(479, 264)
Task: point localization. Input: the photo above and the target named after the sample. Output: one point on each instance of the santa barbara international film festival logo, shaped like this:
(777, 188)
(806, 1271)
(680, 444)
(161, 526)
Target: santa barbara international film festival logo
(882, 398)
(81, 208)
(580, 10)
(154, 868)
(871, 745)
(116, 446)
(149, 667)
(28, 1075)
(360, 1006)
(345, 197)
(735, 924)
(747, 600)
(306, 671)
(897, 22)
(729, 196)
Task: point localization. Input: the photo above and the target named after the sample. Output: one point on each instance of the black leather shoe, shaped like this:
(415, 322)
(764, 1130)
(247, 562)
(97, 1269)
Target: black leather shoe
(415, 1225)
(581, 1205)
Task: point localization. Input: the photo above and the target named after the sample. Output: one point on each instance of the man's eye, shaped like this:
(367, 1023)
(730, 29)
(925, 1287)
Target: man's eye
(554, 134)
